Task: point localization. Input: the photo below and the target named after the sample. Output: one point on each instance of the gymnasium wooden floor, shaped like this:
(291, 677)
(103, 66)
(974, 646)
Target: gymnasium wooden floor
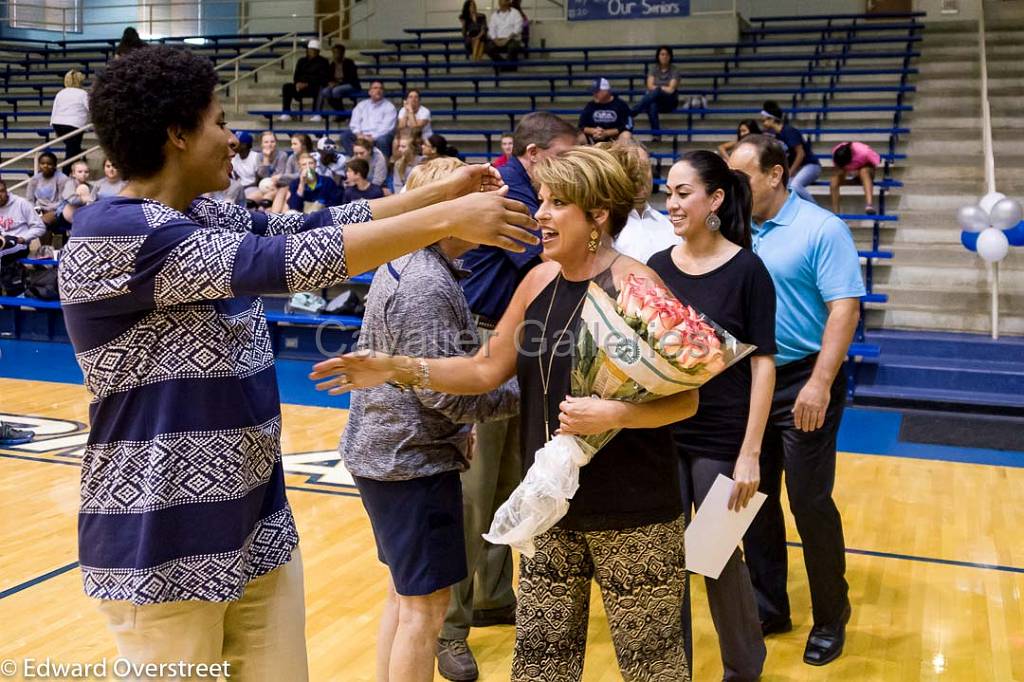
(936, 562)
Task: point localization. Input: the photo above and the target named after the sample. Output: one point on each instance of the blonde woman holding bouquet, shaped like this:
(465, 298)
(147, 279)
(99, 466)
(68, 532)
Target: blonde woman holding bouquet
(624, 526)
(715, 271)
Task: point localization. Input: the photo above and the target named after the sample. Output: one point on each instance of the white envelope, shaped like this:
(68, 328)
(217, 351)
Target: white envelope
(716, 531)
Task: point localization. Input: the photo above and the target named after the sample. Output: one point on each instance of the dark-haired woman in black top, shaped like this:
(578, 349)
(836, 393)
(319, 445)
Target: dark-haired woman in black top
(714, 270)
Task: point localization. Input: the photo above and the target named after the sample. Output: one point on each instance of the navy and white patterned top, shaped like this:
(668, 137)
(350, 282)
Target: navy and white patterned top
(182, 485)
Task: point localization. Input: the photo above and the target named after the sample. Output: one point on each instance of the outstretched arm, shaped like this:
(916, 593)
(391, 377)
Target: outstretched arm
(494, 364)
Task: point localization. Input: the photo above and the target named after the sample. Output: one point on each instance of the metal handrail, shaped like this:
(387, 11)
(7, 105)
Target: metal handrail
(44, 146)
(73, 159)
(264, 46)
(239, 77)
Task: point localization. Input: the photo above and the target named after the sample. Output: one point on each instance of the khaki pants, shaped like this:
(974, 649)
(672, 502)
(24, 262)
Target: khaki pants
(261, 636)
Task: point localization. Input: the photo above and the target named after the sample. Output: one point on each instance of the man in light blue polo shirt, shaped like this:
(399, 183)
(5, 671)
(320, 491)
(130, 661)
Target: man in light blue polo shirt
(811, 257)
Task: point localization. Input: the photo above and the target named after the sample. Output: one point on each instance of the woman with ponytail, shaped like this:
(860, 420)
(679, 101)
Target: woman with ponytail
(715, 270)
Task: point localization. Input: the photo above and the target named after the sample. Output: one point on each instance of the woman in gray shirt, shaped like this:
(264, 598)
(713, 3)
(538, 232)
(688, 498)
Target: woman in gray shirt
(405, 447)
(661, 96)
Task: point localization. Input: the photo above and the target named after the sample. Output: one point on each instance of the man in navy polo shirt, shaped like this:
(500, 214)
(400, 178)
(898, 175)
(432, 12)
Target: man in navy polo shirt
(606, 117)
(816, 271)
(496, 470)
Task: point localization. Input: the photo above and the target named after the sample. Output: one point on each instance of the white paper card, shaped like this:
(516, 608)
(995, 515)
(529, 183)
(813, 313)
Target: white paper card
(716, 531)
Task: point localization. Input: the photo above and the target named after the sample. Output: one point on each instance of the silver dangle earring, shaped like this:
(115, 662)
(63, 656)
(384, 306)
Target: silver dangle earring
(713, 222)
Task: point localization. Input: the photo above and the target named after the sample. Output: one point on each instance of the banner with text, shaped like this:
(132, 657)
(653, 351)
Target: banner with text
(588, 10)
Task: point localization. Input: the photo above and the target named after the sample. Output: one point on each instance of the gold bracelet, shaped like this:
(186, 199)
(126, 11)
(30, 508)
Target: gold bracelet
(420, 376)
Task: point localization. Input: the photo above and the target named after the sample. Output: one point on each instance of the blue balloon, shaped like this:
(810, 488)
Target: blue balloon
(970, 240)
(1014, 235)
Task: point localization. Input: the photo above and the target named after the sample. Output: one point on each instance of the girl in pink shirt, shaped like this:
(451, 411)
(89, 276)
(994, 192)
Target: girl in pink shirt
(853, 161)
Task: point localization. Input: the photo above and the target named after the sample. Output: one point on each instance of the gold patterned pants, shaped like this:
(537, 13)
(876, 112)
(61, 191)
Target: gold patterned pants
(640, 572)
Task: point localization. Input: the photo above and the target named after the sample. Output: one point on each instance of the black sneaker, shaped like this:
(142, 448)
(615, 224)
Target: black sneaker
(12, 436)
(455, 661)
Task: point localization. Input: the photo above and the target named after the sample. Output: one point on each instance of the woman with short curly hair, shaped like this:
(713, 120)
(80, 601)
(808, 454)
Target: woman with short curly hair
(185, 534)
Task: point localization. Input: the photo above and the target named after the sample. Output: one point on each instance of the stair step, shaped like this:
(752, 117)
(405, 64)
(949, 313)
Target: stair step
(907, 396)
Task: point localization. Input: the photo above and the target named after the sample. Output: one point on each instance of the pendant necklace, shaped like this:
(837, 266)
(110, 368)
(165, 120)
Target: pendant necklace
(545, 376)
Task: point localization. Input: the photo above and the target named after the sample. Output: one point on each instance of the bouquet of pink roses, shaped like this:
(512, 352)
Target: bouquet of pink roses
(643, 346)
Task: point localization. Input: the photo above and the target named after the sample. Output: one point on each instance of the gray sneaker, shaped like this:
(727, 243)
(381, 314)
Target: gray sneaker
(455, 661)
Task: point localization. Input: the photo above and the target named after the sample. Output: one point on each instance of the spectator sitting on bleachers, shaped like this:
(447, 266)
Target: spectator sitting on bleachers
(329, 162)
(606, 117)
(661, 96)
(747, 126)
(312, 191)
(111, 184)
(414, 117)
(804, 167)
(364, 149)
(301, 143)
(853, 161)
(505, 34)
(311, 75)
(270, 165)
(70, 112)
(130, 41)
(245, 162)
(507, 144)
(474, 30)
(647, 230)
(77, 192)
(46, 188)
(437, 146)
(404, 159)
(19, 226)
(373, 118)
(356, 185)
(343, 82)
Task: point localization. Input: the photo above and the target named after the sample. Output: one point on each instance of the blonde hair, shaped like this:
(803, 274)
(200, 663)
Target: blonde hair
(305, 155)
(268, 132)
(432, 171)
(635, 160)
(404, 164)
(591, 179)
(74, 79)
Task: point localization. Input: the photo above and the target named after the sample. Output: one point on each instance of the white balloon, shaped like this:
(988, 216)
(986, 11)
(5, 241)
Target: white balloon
(972, 218)
(1006, 214)
(993, 245)
(990, 200)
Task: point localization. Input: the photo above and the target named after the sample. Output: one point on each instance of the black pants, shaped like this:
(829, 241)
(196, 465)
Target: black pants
(290, 92)
(507, 52)
(809, 463)
(72, 145)
(731, 597)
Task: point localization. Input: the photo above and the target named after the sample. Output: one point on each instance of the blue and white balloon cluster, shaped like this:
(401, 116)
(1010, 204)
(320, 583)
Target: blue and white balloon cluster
(992, 227)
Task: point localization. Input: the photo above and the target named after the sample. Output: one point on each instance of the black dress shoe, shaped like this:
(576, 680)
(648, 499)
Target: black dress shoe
(776, 626)
(825, 643)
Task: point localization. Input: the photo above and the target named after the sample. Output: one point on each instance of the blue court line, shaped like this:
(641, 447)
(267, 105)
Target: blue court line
(38, 579)
(925, 559)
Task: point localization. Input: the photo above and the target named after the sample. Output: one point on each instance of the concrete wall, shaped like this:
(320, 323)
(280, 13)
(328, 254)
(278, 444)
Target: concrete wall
(284, 16)
(969, 10)
(100, 20)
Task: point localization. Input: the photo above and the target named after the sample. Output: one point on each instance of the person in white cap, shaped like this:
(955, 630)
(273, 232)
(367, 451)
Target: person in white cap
(606, 117)
(311, 74)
